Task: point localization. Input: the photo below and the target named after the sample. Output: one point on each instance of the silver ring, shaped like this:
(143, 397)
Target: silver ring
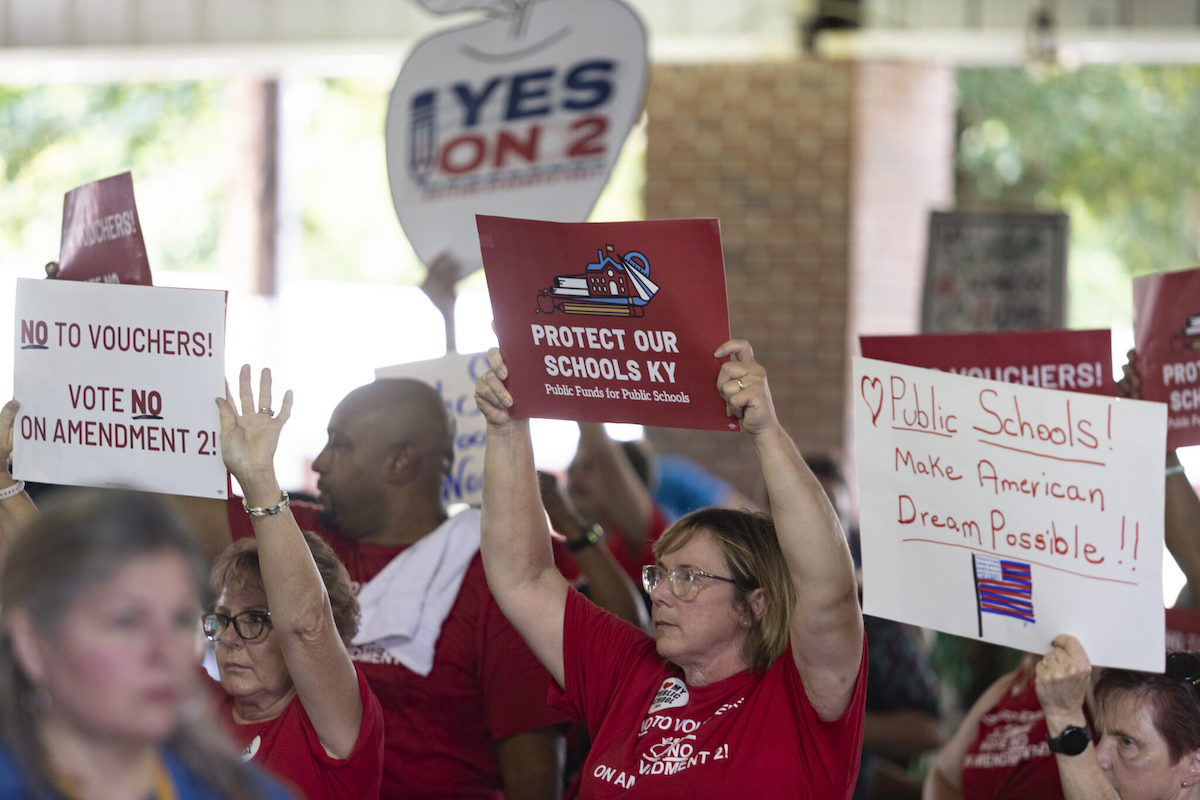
(267, 411)
(740, 384)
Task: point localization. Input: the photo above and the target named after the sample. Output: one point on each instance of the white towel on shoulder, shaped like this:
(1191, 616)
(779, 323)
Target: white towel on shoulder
(404, 606)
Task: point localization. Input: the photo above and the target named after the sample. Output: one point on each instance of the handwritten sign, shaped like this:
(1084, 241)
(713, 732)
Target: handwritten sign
(1166, 334)
(1011, 513)
(1074, 361)
(610, 322)
(995, 271)
(454, 377)
(522, 113)
(116, 385)
(101, 234)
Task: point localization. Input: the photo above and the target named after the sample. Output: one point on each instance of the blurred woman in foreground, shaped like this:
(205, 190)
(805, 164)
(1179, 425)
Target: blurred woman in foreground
(99, 641)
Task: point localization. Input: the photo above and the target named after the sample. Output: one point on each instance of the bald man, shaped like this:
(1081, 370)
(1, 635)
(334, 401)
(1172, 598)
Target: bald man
(464, 700)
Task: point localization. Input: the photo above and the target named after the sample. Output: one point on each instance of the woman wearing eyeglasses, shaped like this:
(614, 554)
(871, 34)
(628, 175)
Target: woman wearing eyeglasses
(1148, 746)
(753, 683)
(284, 614)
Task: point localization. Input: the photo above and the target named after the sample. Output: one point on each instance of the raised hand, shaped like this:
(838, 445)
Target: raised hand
(490, 395)
(249, 438)
(742, 381)
(8, 416)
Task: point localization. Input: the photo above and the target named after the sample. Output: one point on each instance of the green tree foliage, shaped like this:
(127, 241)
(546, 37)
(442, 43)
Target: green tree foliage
(56, 137)
(1114, 147)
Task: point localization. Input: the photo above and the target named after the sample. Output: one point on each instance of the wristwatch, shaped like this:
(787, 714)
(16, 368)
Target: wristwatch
(1071, 742)
(591, 535)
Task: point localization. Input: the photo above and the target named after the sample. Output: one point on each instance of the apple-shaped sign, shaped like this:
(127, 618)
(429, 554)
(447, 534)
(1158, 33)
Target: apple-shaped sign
(521, 115)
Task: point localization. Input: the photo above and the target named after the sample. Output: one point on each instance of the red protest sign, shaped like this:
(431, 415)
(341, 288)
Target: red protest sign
(610, 321)
(1183, 629)
(1073, 361)
(101, 234)
(1166, 333)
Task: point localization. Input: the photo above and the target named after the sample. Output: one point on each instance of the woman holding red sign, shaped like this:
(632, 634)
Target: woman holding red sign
(758, 656)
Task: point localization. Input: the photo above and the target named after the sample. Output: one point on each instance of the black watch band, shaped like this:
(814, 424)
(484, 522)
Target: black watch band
(1071, 742)
(591, 536)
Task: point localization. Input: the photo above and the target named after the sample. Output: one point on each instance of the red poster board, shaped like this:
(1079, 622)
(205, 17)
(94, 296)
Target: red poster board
(1073, 361)
(610, 321)
(1166, 333)
(1183, 629)
(101, 234)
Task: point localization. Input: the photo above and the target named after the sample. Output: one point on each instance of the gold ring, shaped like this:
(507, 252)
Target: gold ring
(740, 384)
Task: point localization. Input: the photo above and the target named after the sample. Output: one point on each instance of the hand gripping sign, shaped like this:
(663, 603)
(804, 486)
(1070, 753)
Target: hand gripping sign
(1011, 513)
(522, 114)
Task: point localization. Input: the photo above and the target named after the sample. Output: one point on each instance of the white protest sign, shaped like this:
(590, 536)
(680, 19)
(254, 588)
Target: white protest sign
(521, 114)
(454, 377)
(1011, 513)
(116, 384)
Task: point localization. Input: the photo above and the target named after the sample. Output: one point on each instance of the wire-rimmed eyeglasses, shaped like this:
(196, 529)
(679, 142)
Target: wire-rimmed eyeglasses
(250, 624)
(682, 580)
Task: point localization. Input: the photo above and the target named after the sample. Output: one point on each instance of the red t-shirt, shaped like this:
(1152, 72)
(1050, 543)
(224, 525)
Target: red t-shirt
(1010, 757)
(753, 734)
(485, 683)
(288, 747)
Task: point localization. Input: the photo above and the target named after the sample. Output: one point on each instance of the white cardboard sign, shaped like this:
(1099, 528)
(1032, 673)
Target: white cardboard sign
(521, 114)
(454, 377)
(117, 383)
(1011, 513)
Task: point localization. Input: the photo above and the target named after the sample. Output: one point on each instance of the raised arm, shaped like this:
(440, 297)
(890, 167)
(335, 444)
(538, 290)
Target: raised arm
(944, 779)
(607, 584)
(1063, 678)
(301, 615)
(517, 557)
(827, 628)
(625, 498)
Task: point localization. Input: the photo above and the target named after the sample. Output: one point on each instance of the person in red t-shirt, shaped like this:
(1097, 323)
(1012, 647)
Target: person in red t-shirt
(284, 616)
(755, 679)
(464, 699)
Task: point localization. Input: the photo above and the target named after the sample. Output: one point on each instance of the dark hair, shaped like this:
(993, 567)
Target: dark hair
(1174, 701)
(85, 537)
(240, 562)
(752, 554)
(641, 458)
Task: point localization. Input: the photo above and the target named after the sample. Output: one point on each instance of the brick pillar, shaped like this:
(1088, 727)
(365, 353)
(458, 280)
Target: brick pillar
(772, 150)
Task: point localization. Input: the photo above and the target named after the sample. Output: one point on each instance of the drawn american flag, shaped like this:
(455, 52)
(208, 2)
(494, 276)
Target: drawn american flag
(1003, 586)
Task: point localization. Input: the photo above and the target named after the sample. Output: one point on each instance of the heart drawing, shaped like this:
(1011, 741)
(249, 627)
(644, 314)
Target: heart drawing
(871, 390)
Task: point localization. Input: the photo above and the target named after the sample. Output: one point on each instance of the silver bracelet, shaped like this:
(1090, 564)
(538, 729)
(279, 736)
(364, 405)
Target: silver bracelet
(256, 511)
(12, 491)
(1174, 469)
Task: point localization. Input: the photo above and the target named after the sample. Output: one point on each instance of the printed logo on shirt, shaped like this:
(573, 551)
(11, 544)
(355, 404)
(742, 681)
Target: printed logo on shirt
(252, 748)
(672, 694)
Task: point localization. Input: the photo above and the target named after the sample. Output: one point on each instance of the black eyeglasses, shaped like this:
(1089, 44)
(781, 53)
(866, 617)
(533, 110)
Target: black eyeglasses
(1185, 668)
(250, 624)
(682, 580)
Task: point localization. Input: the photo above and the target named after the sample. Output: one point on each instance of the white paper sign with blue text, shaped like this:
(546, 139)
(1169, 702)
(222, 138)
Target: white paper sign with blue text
(1010, 513)
(117, 386)
(454, 376)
